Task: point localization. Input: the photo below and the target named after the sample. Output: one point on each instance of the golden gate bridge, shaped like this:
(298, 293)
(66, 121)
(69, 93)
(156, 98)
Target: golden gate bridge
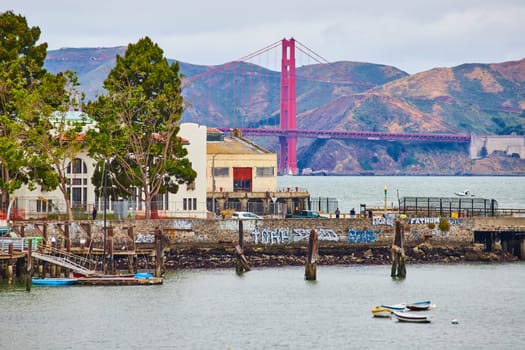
(288, 132)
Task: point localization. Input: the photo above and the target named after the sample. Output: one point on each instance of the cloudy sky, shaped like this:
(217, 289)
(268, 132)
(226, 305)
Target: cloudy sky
(412, 35)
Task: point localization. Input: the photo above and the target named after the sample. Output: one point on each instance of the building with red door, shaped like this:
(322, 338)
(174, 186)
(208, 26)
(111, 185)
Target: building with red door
(242, 175)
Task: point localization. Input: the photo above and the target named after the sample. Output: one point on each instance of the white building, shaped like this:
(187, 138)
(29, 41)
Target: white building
(188, 202)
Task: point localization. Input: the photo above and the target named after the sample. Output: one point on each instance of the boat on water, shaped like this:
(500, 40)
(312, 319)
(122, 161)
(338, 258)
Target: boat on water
(465, 193)
(380, 311)
(53, 281)
(395, 307)
(419, 305)
(414, 317)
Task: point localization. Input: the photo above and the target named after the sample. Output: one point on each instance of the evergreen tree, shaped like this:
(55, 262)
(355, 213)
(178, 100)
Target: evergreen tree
(137, 125)
(34, 143)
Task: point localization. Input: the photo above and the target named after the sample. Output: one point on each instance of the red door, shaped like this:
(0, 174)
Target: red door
(242, 179)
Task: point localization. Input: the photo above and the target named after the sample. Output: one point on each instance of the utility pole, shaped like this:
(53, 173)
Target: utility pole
(213, 185)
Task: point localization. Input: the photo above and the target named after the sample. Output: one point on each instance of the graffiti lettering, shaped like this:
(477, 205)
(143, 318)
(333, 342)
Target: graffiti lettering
(452, 221)
(379, 220)
(182, 224)
(414, 221)
(279, 236)
(362, 236)
(301, 234)
(285, 235)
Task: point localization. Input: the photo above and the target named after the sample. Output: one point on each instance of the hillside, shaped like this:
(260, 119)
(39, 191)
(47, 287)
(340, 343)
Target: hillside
(470, 98)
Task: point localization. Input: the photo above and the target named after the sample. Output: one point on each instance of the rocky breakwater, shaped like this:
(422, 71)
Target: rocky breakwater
(341, 253)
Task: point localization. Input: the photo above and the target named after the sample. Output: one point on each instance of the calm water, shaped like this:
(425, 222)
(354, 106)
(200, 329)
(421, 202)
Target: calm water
(351, 191)
(274, 308)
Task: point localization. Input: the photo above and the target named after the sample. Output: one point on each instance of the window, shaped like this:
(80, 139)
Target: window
(221, 172)
(43, 205)
(264, 171)
(189, 203)
(77, 166)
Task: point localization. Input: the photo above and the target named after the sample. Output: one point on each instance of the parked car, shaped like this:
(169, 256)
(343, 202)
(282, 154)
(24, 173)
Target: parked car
(245, 215)
(306, 214)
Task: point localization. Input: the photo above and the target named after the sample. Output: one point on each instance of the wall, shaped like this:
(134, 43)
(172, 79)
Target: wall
(506, 143)
(283, 231)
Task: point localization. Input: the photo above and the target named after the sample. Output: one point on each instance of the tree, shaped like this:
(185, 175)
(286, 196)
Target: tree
(34, 144)
(137, 125)
(21, 74)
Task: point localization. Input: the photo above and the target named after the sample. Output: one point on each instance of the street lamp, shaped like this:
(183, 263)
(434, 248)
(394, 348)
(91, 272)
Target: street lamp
(385, 198)
(213, 184)
(104, 195)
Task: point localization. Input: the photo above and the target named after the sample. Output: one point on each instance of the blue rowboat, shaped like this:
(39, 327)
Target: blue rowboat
(53, 281)
(394, 307)
(419, 306)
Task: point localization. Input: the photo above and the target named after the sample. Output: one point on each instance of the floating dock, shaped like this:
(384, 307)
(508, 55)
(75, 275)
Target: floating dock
(118, 281)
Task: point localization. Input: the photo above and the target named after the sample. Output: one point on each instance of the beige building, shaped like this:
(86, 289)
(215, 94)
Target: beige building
(188, 202)
(242, 176)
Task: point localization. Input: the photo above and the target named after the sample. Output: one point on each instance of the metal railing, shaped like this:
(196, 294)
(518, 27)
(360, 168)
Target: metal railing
(19, 244)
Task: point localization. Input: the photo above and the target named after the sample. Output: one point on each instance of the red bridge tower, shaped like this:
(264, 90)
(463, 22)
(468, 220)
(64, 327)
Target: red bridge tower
(288, 159)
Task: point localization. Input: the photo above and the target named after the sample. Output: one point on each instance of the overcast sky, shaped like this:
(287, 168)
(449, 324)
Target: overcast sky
(412, 35)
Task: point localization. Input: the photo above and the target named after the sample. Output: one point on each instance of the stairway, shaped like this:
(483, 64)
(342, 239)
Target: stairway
(67, 260)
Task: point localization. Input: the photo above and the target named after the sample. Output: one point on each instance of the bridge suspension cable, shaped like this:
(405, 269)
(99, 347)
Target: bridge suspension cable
(310, 53)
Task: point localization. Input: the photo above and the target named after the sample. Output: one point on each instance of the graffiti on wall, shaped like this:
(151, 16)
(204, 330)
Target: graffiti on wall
(452, 221)
(182, 225)
(362, 236)
(381, 220)
(285, 235)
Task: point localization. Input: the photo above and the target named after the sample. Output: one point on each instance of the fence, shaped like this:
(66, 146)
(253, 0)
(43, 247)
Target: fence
(323, 204)
(20, 244)
(448, 207)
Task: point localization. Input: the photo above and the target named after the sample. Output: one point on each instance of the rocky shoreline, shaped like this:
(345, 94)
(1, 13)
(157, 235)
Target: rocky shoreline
(223, 255)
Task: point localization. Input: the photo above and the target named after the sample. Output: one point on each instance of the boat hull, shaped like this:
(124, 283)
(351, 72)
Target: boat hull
(53, 281)
(419, 306)
(379, 311)
(395, 307)
(411, 317)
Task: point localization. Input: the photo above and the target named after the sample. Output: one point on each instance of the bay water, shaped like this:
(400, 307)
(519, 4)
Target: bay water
(478, 306)
(351, 191)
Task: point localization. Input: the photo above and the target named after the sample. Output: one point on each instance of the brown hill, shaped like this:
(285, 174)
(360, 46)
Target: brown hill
(471, 98)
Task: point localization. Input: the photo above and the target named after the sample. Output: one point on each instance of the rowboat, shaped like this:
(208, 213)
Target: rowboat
(419, 306)
(53, 281)
(415, 317)
(395, 307)
(380, 311)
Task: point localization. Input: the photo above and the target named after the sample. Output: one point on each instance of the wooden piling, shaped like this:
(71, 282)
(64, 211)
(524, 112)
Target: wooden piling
(310, 273)
(158, 252)
(398, 252)
(241, 261)
(110, 250)
(29, 264)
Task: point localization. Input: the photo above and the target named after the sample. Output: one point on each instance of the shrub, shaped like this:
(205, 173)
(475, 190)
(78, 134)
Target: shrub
(444, 225)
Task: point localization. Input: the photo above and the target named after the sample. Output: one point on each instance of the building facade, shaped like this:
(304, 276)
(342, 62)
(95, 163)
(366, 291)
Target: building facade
(188, 202)
(242, 176)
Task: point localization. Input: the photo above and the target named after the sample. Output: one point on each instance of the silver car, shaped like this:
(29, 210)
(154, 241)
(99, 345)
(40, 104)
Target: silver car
(245, 215)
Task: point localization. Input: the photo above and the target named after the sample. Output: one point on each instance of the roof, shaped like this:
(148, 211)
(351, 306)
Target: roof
(233, 145)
